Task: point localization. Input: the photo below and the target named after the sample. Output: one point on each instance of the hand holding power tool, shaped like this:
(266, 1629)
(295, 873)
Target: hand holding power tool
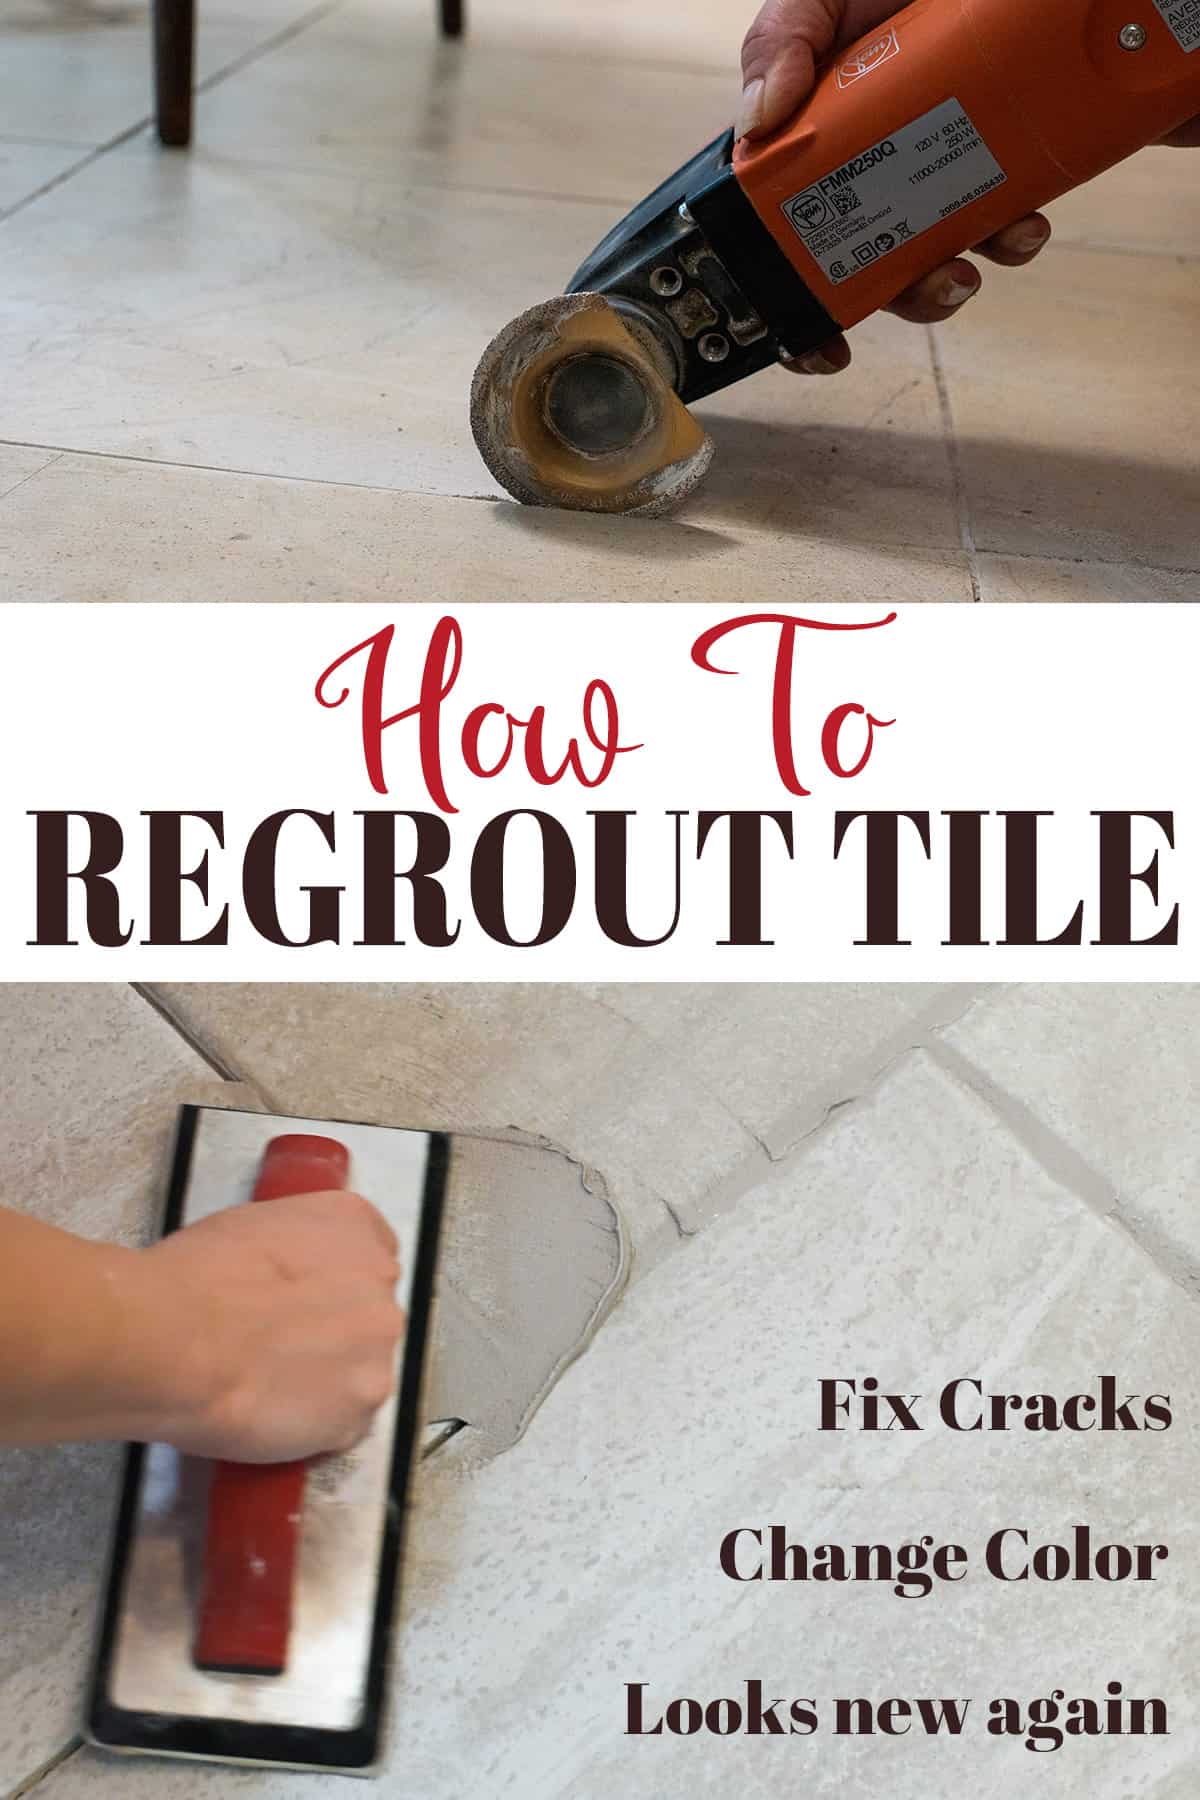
(943, 127)
(779, 68)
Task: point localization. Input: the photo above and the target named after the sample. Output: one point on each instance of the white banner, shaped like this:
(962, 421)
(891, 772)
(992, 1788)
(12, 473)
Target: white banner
(545, 792)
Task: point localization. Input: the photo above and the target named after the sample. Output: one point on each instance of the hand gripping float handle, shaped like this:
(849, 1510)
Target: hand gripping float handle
(254, 1509)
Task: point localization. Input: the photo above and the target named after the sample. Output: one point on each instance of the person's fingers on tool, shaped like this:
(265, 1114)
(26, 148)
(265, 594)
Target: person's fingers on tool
(340, 1209)
(374, 1219)
(828, 359)
(377, 1383)
(1018, 243)
(779, 61)
(783, 47)
(1186, 138)
(939, 295)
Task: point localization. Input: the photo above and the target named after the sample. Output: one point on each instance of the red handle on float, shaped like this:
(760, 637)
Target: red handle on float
(254, 1509)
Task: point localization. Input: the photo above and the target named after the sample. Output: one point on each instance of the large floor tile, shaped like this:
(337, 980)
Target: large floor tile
(1114, 1072)
(1150, 203)
(550, 1061)
(370, 88)
(18, 466)
(1069, 383)
(211, 312)
(778, 1056)
(82, 74)
(1025, 578)
(90, 1078)
(100, 528)
(677, 35)
(914, 1240)
(26, 168)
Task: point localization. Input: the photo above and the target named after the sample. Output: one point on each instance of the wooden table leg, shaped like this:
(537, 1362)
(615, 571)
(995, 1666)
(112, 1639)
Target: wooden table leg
(452, 17)
(174, 56)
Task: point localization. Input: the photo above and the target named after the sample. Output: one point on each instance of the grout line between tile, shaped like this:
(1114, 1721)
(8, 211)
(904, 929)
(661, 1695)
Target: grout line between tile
(57, 451)
(72, 169)
(952, 1004)
(1085, 562)
(804, 1123)
(49, 1767)
(283, 36)
(220, 1065)
(40, 470)
(958, 476)
(1066, 1165)
(160, 462)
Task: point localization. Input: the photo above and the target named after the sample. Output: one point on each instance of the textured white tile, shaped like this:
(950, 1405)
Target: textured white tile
(779, 1056)
(1115, 1073)
(89, 1081)
(915, 1241)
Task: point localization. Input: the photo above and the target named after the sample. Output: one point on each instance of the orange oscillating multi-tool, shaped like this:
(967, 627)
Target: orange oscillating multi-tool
(953, 120)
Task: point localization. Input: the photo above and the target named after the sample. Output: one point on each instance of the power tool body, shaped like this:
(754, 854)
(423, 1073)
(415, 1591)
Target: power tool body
(953, 120)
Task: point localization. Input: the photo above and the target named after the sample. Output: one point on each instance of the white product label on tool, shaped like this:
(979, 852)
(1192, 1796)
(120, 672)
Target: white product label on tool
(1183, 16)
(894, 191)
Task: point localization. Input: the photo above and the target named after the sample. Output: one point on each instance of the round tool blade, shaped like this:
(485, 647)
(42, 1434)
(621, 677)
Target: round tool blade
(571, 408)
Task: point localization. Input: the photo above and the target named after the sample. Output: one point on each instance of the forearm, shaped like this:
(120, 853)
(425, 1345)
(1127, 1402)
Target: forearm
(83, 1349)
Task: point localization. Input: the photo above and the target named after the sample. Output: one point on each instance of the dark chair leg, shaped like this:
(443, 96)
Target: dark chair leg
(452, 17)
(174, 55)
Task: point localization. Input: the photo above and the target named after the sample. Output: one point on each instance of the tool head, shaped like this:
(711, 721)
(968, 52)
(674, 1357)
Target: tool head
(573, 405)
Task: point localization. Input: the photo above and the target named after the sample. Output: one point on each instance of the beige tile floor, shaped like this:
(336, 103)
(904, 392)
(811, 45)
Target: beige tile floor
(241, 373)
(998, 1182)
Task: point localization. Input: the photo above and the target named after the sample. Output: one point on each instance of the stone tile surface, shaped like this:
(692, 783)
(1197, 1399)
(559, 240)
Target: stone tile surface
(1074, 440)
(105, 528)
(1029, 578)
(18, 466)
(89, 1081)
(82, 73)
(551, 1062)
(312, 324)
(26, 167)
(306, 293)
(916, 1240)
(519, 119)
(779, 1056)
(1148, 204)
(1114, 1072)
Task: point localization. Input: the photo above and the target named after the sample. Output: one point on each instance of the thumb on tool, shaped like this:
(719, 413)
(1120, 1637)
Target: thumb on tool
(779, 61)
